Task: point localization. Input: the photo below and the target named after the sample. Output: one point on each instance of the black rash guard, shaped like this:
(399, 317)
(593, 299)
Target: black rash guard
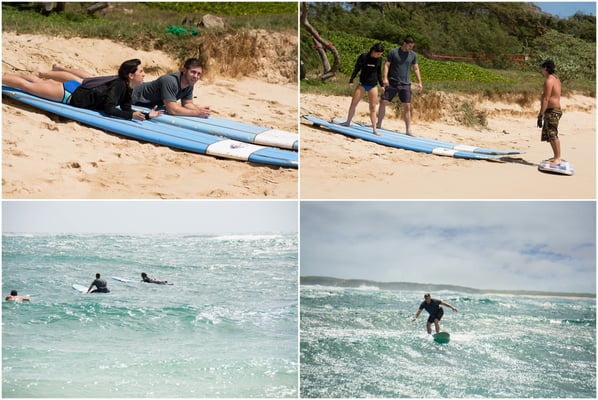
(370, 70)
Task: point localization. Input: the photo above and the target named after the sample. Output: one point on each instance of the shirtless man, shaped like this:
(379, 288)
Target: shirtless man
(550, 110)
(14, 296)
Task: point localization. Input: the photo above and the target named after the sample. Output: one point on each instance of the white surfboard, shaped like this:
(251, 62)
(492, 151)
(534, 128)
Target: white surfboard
(564, 168)
(80, 288)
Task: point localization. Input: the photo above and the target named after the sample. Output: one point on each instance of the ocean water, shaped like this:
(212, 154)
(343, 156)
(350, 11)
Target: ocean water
(358, 343)
(226, 328)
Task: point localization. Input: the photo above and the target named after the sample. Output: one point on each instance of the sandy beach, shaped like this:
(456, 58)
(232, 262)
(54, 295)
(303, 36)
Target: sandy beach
(45, 156)
(334, 166)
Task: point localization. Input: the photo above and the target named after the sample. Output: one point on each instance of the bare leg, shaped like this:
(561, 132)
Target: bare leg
(50, 90)
(373, 100)
(59, 76)
(407, 117)
(556, 149)
(429, 327)
(381, 112)
(75, 71)
(357, 96)
(437, 325)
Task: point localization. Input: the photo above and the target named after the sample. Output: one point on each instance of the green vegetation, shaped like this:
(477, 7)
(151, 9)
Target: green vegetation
(145, 25)
(491, 34)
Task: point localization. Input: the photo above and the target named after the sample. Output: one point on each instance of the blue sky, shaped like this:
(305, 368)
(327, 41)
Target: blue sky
(489, 245)
(198, 217)
(567, 9)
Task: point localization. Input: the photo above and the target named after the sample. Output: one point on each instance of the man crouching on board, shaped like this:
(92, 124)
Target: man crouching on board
(434, 308)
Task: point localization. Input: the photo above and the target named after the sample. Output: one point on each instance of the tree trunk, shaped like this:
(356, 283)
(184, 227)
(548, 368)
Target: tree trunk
(321, 45)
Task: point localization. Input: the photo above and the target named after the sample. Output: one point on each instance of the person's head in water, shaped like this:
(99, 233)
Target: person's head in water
(13, 293)
(143, 275)
(427, 297)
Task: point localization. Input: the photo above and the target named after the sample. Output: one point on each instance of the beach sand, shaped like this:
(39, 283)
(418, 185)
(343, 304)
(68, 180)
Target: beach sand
(45, 156)
(334, 166)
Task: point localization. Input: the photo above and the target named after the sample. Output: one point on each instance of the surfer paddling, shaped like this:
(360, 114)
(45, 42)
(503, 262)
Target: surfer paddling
(147, 279)
(14, 296)
(434, 308)
(550, 110)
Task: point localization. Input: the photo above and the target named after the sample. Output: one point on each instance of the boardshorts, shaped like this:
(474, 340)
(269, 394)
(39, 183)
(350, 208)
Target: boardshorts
(437, 316)
(402, 89)
(550, 129)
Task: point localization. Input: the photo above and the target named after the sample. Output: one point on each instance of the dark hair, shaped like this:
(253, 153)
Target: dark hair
(98, 275)
(128, 67)
(427, 295)
(408, 39)
(549, 66)
(193, 62)
(13, 292)
(377, 48)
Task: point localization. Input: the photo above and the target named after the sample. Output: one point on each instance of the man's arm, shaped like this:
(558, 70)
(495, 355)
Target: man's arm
(448, 305)
(187, 108)
(385, 76)
(418, 76)
(416, 315)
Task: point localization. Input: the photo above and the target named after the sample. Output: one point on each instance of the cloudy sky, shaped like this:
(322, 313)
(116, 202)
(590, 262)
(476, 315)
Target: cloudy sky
(198, 217)
(488, 245)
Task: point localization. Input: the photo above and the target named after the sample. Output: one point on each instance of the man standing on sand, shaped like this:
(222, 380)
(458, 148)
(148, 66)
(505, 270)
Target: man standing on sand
(168, 89)
(550, 111)
(397, 80)
(434, 308)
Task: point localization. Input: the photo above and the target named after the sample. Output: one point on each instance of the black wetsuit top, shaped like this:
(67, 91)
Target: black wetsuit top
(101, 286)
(370, 70)
(432, 308)
(105, 98)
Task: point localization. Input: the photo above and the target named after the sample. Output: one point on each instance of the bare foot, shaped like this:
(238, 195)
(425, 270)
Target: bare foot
(346, 123)
(58, 67)
(376, 132)
(409, 134)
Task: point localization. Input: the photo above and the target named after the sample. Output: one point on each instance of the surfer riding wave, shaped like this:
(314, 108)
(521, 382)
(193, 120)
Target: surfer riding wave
(434, 308)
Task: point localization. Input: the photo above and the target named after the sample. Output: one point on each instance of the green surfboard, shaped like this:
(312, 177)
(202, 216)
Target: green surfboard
(442, 337)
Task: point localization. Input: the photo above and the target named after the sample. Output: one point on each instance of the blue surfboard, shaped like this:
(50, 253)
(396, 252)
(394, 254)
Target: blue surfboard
(162, 134)
(236, 130)
(401, 141)
(437, 143)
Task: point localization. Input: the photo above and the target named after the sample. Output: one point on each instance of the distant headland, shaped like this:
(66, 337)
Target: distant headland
(428, 287)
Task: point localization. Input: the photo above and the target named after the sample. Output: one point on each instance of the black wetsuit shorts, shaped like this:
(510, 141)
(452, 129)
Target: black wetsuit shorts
(437, 316)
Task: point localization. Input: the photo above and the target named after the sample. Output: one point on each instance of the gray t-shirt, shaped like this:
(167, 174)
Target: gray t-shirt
(400, 65)
(164, 89)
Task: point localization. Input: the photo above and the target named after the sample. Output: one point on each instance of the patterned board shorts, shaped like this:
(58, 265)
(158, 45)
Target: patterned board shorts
(550, 130)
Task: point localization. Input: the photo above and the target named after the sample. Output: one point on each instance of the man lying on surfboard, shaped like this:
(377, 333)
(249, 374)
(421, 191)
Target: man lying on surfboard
(147, 279)
(434, 308)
